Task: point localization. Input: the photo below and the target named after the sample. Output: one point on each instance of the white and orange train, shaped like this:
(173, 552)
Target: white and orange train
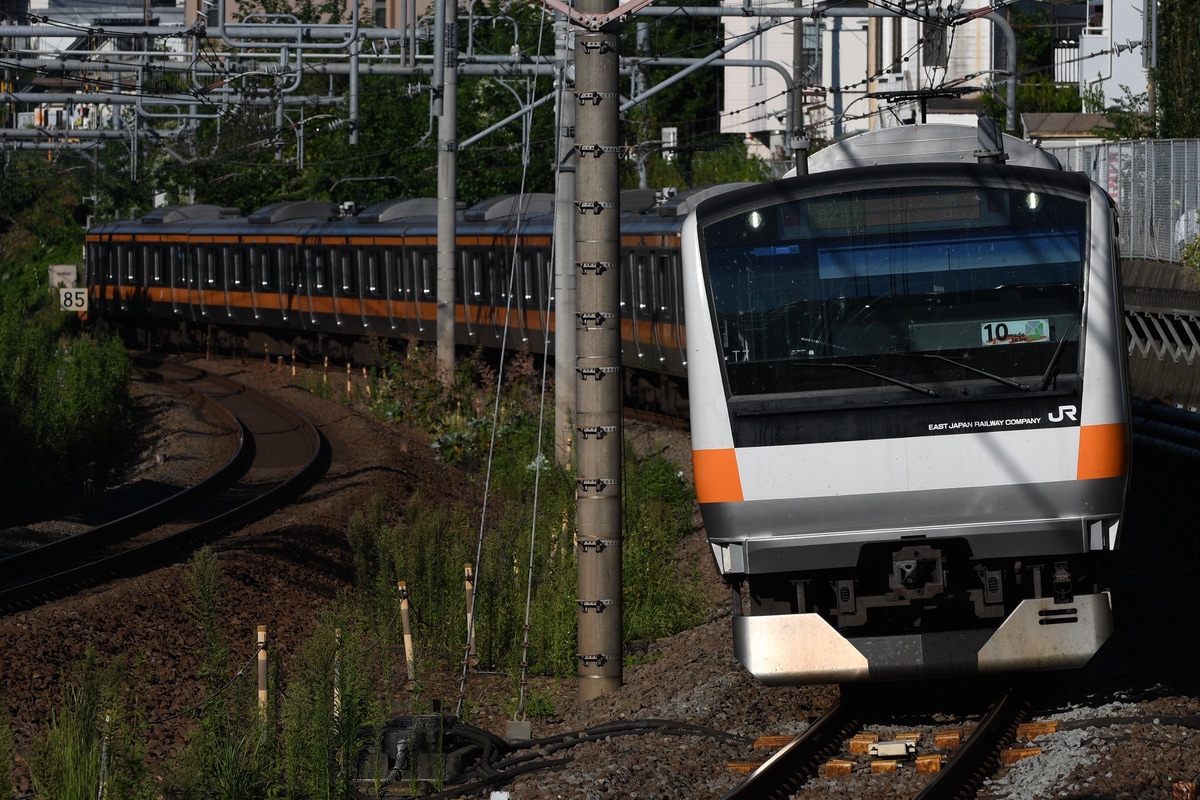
(908, 395)
(318, 280)
(909, 409)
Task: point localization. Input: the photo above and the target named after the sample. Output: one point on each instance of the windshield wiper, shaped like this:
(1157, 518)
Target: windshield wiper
(1052, 368)
(886, 378)
(1024, 387)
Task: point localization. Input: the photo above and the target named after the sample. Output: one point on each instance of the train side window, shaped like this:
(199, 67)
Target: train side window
(239, 268)
(476, 274)
(529, 273)
(285, 270)
(347, 270)
(403, 284)
(372, 264)
(209, 260)
(428, 283)
(662, 283)
(495, 278)
(320, 281)
(157, 270)
(130, 264)
(643, 283)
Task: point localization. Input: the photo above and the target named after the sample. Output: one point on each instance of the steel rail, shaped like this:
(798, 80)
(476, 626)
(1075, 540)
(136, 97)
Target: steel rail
(178, 544)
(782, 775)
(979, 755)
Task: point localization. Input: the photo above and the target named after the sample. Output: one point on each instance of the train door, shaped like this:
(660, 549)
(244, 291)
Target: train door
(177, 274)
(126, 272)
(341, 281)
(427, 282)
(158, 272)
(390, 261)
(672, 303)
(307, 274)
(253, 260)
(469, 288)
(634, 300)
(659, 263)
(528, 295)
(284, 268)
(230, 275)
(370, 279)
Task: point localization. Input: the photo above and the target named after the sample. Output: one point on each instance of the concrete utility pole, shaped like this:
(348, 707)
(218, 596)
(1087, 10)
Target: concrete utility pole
(598, 419)
(564, 249)
(446, 106)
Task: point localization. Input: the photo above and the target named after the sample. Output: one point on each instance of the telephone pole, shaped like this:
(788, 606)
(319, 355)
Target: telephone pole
(598, 419)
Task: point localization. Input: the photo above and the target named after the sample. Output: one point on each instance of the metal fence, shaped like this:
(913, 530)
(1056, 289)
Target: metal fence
(1156, 185)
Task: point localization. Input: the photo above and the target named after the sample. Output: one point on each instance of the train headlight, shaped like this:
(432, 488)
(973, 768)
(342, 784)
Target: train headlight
(1033, 201)
(755, 220)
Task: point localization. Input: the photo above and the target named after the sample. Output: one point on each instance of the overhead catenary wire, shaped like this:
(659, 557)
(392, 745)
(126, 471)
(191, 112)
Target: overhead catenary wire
(518, 215)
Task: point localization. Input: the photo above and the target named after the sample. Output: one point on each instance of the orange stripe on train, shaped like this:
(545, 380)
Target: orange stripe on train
(1103, 451)
(717, 477)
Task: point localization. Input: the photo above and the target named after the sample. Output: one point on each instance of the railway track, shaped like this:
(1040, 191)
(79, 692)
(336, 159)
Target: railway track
(278, 454)
(955, 778)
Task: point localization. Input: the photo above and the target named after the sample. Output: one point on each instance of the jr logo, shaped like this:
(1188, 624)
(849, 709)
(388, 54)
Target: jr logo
(1064, 412)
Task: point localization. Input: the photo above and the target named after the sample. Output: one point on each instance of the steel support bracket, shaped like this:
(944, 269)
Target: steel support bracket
(595, 483)
(594, 605)
(599, 266)
(599, 431)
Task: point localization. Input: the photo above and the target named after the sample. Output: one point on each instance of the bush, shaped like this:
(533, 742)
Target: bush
(90, 749)
(64, 400)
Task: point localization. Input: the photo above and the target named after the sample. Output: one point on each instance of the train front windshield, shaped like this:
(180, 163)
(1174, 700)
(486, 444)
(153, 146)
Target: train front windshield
(920, 284)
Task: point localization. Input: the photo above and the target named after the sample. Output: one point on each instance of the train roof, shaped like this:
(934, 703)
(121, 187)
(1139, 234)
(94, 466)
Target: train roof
(926, 143)
(169, 215)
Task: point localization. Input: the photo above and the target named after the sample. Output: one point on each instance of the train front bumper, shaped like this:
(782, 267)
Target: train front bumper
(787, 649)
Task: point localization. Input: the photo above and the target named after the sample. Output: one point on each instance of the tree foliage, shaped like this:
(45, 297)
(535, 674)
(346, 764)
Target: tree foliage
(63, 404)
(1178, 92)
(1037, 92)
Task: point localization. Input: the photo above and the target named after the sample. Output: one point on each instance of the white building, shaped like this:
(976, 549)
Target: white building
(868, 66)
(1115, 48)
